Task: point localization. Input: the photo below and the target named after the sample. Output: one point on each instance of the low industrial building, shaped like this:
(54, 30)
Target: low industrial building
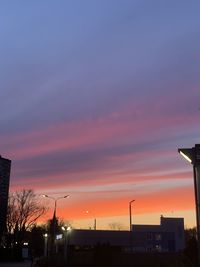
(166, 237)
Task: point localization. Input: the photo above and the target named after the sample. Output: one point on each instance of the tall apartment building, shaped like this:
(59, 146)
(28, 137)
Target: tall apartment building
(5, 166)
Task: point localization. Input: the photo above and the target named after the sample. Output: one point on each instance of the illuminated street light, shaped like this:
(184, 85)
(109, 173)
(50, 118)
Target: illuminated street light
(54, 214)
(55, 202)
(45, 245)
(193, 156)
(64, 228)
(186, 153)
(95, 220)
(67, 231)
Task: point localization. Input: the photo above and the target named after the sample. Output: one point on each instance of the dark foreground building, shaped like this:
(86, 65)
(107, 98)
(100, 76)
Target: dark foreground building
(5, 166)
(145, 245)
(166, 237)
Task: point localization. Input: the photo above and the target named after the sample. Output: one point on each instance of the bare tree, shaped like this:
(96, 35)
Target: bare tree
(24, 209)
(116, 226)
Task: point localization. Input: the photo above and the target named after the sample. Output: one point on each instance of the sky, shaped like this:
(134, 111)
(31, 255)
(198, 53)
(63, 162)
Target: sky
(96, 98)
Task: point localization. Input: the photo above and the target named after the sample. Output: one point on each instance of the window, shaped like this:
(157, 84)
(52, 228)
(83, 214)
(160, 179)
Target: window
(149, 249)
(158, 237)
(149, 236)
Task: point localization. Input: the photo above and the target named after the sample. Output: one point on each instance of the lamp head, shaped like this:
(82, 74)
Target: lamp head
(186, 154)
(191, 154)
(66, 228)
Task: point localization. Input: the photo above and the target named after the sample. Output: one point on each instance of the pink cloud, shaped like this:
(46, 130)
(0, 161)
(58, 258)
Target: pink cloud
(122, 128)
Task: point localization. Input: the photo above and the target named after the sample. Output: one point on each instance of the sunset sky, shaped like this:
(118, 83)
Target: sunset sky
(96, 97)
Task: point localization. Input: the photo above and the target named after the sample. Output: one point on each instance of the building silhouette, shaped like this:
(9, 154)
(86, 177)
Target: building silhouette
(168, 236)
(5, 167)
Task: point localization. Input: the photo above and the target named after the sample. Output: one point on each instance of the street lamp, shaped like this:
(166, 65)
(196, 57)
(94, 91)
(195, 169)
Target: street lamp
(55, 202)
(54, 213)
(130, 217)
(193, 156)
(95, 220)
(130, 213)
(45, 244)
(66, 241)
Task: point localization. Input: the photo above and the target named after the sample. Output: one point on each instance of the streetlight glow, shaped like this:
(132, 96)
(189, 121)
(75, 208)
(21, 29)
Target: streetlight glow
(66, 228)
(185, 156)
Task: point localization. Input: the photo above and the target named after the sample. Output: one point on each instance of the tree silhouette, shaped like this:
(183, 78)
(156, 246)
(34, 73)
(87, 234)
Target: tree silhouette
(24, 209)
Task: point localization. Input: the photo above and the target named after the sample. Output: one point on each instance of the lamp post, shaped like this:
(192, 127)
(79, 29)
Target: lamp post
(130, 218)
(55, 202)
(66, 242)
(95, 220)
(130, 213)
(54, 214)
(193, 156)
(45, 245)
